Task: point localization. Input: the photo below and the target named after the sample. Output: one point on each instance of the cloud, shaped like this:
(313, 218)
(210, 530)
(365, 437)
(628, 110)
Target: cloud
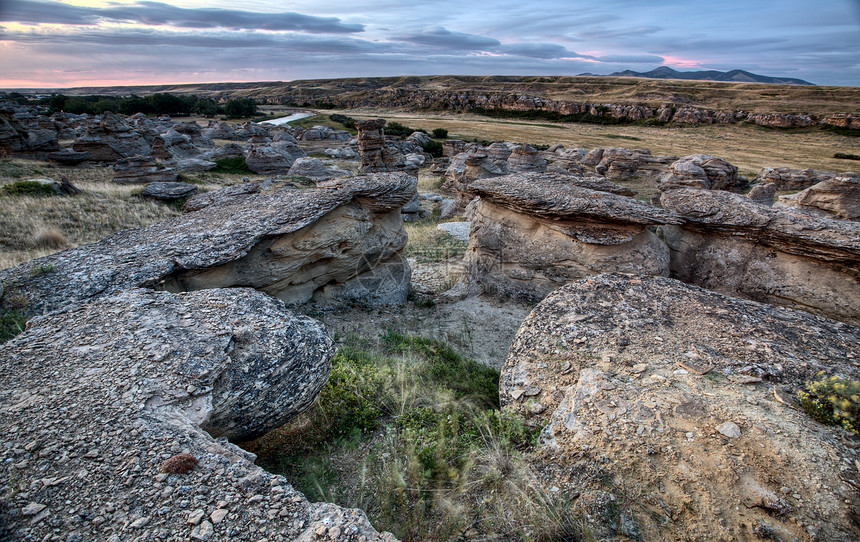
(445, 39)
(538, 50)
(632, 59)
(160, 14)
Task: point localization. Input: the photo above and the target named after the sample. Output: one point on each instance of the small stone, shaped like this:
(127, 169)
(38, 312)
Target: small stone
(782, 396)
(640, 368)
(139, 523)
(535, 408)
(694, 367)
(161, 477)
(33, 508)
(531, 391)
(195, 516)
(204, 531)
(218, 515)
(516, 394)
(729, 429)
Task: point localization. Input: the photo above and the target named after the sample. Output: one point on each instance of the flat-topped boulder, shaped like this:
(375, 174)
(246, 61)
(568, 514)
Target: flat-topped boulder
(838, 196)
(792, 179)
(115, 413)
(141, 170)
(168, 191)
(344, 241)
(526, 158)
(683, 397)
(534, 232)
(702, 171)
(730, 244)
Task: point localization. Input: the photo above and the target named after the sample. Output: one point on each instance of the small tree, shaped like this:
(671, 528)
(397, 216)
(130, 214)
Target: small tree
(440, 133)
(241, 108)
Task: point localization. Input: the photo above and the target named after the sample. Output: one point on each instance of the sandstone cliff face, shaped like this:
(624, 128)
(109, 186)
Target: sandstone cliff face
(294, 244)
(532, 233)
(670, 395)
(95, 398)
(730, 244)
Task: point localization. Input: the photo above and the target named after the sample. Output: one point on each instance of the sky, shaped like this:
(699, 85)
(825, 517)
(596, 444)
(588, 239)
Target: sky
(56, 44)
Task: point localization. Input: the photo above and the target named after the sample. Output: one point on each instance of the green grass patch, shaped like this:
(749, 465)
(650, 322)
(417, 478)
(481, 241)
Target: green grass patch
(846, 156)
(324, 120)
(12, 322)
(28, 188)
(234, 164)
(410, 431)
(41, 270)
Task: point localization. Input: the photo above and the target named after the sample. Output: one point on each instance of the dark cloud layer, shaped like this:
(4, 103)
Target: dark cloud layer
(160, 14)
(816, 41)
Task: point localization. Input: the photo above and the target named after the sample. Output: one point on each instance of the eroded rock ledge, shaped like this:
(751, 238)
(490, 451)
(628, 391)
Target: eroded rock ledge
(342, 241)
(533, 232)
(677, 397)
(95, 398)
(730, 244)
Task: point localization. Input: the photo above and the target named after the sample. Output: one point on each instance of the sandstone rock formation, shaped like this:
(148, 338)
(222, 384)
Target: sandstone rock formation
(730, 244)
(168, 191)
(141, 170)
(763, 194)
(702, 171)
(344, 241)
(465, 168)
(671, 396)
(268, 160)
(371, 141)
(525, 158)
(532, 233)
(315, 169)
(110, 139)
(96, 399)
(619, 163)
(220, 196)
(839, 196)
(792, 179)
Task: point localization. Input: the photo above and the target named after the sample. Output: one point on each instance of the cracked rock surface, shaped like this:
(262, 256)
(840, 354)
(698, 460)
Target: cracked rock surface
(730, 244)
(678, 400)
(96, 398)
(532, 233)
(294, 244)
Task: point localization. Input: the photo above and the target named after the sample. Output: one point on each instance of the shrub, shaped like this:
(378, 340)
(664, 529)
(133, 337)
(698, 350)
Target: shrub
(399, 130)
(28, 188)
(833, 401)
(233, 164)
(433, 148)
(846, 156)
(440, 133)
(347, 122)
(51, 238)
(240, 108)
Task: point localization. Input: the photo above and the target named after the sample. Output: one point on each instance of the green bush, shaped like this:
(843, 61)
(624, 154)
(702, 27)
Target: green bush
(399, 130)
(240, 109)
(433, 148)
(846, 156)
(347, 122)
(28, 188)
(833, 401)
(440, 133)
(233, 164)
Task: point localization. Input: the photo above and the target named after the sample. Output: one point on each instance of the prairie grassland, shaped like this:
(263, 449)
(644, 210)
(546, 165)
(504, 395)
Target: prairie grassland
(32, 226)
(746, 146)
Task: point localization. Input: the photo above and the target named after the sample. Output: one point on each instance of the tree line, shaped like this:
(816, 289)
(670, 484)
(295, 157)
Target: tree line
(154, 104)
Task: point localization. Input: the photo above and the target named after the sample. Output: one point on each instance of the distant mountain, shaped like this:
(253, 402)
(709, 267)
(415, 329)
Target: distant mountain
(734, 76)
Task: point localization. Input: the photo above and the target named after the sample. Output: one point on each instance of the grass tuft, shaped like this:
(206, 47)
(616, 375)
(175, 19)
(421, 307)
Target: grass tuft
(233, 164)
(28, 188)
(411, 432)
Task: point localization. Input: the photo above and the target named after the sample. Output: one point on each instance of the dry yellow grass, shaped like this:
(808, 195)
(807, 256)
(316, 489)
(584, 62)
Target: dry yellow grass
(748, 147)
(35, 226)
